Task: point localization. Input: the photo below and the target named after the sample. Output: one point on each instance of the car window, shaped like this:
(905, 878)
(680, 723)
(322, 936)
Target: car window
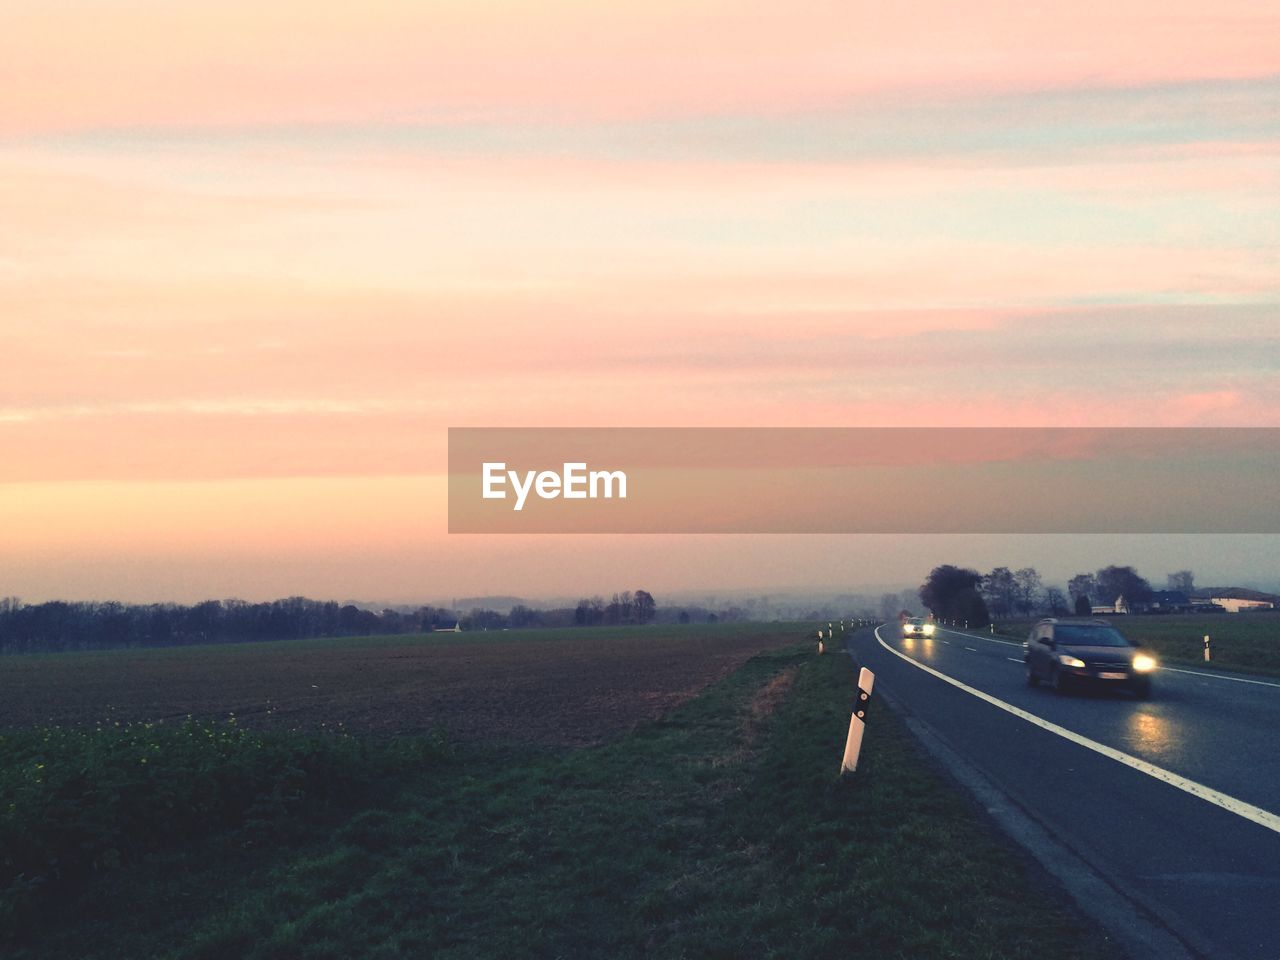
(1090, 635)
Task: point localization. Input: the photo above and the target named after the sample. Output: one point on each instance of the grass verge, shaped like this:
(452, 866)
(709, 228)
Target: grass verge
(720, 831)
(75, 802)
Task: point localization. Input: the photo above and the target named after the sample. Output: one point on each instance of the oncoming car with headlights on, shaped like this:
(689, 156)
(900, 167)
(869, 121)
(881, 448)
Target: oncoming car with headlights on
(1066, 652)
(917, 627)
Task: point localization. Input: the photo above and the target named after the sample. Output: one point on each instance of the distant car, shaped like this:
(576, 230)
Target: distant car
(917, 627)
(1062, 652)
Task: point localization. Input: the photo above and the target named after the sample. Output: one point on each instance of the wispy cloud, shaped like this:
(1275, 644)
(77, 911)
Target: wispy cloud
(1041, 126)
(246, 241)
(235, 62)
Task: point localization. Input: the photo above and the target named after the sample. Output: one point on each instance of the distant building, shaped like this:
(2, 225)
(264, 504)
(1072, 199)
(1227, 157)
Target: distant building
(456, 627)
(1168, 601)
(1118, 607)
(1236, 604)
(1236, 599)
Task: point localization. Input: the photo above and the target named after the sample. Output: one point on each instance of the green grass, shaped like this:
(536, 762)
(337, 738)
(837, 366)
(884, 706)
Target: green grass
(75, 802)
(722, 830)
(1247, 642)
(239, 649)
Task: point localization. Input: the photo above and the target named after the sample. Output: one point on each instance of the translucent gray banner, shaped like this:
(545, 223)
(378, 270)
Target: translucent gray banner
(864, 480)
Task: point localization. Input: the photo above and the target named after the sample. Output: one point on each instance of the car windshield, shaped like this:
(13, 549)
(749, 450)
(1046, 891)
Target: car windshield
(916, 620)
(1089, 635)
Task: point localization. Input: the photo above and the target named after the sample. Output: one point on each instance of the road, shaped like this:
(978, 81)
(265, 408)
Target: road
(1175, 800)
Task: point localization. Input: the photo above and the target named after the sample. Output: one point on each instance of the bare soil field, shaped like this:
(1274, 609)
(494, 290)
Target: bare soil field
(575, 688)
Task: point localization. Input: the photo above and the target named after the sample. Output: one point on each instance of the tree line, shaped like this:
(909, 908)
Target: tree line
(963, 594)
(58, 625)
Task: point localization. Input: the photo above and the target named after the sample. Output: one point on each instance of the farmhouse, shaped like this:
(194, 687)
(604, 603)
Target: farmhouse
(1168, 601)
(1118, 607)
(1236, 599)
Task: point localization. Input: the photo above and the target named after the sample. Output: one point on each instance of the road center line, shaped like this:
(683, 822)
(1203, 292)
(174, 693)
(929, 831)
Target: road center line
(1013, 660)
(1194, 673)
(974, 649)
(978, 636)
(1240, 808)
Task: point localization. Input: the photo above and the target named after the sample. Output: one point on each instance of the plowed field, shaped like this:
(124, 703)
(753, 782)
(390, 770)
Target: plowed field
(569, 687)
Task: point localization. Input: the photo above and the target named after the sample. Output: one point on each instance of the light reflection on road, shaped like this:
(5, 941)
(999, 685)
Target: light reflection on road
(1149, 733)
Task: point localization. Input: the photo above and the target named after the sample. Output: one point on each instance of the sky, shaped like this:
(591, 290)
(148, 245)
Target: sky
(255, 260)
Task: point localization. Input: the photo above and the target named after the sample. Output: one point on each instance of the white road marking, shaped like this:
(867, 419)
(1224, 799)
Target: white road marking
(974, 649)
(1014, 660)
(1218, 676)
(978, 636)
(1240, 808)
(1194, 673)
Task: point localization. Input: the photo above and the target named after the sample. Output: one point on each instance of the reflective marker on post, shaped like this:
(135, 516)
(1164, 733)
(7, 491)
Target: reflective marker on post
(857, 722)
(1206, 648)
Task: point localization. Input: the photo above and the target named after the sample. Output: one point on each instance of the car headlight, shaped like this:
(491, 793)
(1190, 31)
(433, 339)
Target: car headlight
(1070, 661)
(1144, 663)
(928, 629)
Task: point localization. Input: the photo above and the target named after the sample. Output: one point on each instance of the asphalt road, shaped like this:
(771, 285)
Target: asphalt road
(1190, 829)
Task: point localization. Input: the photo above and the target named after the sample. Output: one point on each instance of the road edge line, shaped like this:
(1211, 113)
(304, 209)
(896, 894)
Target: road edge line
(1219, 676)
(1242, 809)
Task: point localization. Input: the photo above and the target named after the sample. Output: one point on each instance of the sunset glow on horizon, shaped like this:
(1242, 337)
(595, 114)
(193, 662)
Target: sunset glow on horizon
(255, 261)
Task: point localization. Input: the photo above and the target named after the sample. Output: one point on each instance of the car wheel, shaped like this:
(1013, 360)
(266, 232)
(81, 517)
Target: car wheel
(1032, 679)
(1058, 681)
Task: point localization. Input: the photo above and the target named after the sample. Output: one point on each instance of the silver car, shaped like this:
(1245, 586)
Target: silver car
(917, 627)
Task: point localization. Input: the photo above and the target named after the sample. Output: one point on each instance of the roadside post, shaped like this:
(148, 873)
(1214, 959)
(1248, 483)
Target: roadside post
(821, 646)
(857, 722)
(1206, 648)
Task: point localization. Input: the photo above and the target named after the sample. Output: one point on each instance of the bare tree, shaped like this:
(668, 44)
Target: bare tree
(1055, 601)
(1000, 587)
(1029, 586)
(1083, 585)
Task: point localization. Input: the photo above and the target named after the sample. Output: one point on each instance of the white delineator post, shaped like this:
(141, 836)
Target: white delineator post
(1206, 648)
(857, 722)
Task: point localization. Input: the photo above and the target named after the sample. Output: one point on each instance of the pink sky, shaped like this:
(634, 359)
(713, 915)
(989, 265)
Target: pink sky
(255, 261)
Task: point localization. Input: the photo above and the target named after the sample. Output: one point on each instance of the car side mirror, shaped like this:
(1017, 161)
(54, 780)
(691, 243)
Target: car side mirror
(1052, 644)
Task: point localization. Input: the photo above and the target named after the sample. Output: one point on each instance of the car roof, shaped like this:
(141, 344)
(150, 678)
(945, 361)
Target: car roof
(1079, 621)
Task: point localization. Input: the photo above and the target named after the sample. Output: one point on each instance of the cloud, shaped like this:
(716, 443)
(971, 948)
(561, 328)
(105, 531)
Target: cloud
(237, 62)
